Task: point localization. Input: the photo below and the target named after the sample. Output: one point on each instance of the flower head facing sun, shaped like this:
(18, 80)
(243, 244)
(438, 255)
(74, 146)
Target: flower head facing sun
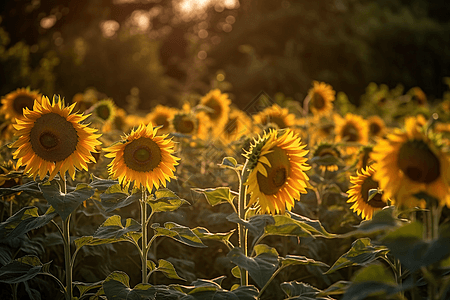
(328, 154)
(278, 166)
(376, 126)
(353, 129)
(219, 108)
(143, 157)
(15, 102)
(239, 124)
(410, 163)
(276, 115)
(161, 116)
(321, 100)
(104, 110)
(52, 139)
(358, 194)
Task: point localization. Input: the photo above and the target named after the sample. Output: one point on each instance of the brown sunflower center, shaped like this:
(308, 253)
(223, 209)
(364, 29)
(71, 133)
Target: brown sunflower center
(374, 128)
(368, 185)
(327, 152)
(103, 112)
(21, 102)
(231, 126)
(214, 105)
(185, 125)
(318, 102)
(418, 162)
(142, 155)
(53, 138)
(277, 173)
(350, 133)
(278, 120)
(162, 120)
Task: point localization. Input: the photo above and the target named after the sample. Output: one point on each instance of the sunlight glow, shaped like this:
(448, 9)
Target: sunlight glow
(190, 9)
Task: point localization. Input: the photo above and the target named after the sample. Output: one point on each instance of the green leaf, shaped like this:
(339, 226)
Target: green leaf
(236, 272)
(229, 163)
(361, 253)
(317, 229)
(216, 196)
(328, 160)
(261, 267)
(292, 260)
(101, 184)
(166, 268)
(382, 220)
(178, 232)
(17, 271)
(286, 226)
(22, 222)
(30, 187)
(336, 288)
(165, 200)
(84, 287)
(256, 225)
(117, 197)
(117, 286)
(300, 291)
(204, 234)
(112, 228)
(65, 204)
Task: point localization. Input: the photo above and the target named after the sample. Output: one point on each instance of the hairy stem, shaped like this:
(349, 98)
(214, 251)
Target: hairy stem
(242, 212)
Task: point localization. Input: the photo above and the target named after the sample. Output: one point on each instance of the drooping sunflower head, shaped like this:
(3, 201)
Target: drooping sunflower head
(353, 129)
(142, 157)
(410, 163)
(15, 102)
(52, 139)
(365, 204)
(276, 115)
(376, 126)
(417, 96)
(9, 176)
(104, 110)
(321, 100)
(161, 116)
(218, 105)
(327, 157)
(239, 124)
(278, 164)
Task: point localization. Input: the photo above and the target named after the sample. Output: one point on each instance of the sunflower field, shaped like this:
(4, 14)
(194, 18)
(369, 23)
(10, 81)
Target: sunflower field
(283, 200)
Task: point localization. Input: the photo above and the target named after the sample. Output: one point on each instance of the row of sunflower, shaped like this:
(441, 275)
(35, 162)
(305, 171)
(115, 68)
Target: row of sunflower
(389, 153)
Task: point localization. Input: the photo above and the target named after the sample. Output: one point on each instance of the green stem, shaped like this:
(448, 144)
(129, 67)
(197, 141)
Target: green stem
(61, 285)
(242, 212)
(66, 240)
(14, 290)
(269, 281)
(144, 234)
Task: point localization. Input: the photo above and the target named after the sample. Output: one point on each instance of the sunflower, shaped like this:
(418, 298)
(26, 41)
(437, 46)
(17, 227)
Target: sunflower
(104, 110)
(321, 97)
(358, 194)
(190, 124)
(9, 176)
(277, 177)
(376, 126)
(15, 102)
(418, 96)
(411, 163)
(51, 139)
(143, 157)
(353, 129)
(219, 104)
(328, 155)
(363, 157)
(239, 124)
(161, 116)
(276, 115)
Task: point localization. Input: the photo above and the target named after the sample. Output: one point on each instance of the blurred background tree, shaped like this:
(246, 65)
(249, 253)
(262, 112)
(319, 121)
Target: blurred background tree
(162, 51)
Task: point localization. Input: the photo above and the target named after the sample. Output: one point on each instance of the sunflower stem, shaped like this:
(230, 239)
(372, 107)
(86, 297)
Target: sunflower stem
(144, 234)
(242, 214)
(66, 240)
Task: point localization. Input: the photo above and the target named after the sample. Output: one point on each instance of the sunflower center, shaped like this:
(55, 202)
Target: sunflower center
(21, 102)
(214, 105)
(48, 140)
(374, 128)
(53, 138)
(103, 112)
(317, 101)
(231, 126)
(142, 155)
(368, 185)
(327, 152)
(418, 162)
(185, 125)
(350, 133)
(277, 173)
(162, 120)
(278, 120)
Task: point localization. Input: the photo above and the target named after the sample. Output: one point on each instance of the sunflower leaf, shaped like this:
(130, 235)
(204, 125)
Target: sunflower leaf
(117, 197)
(216, 196)
(65, 204)
(316, 228)
(292, 260)
(300, 291)
(165, 200)
(23, 221)
(167, 269)
(179, 233)
(361, 253)
(261, 267)
(17, 271)
(113, 228)
(229, 163)
(204, 234)
(31, 187)
(101, 184)
(84, 287)
(287, 226)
